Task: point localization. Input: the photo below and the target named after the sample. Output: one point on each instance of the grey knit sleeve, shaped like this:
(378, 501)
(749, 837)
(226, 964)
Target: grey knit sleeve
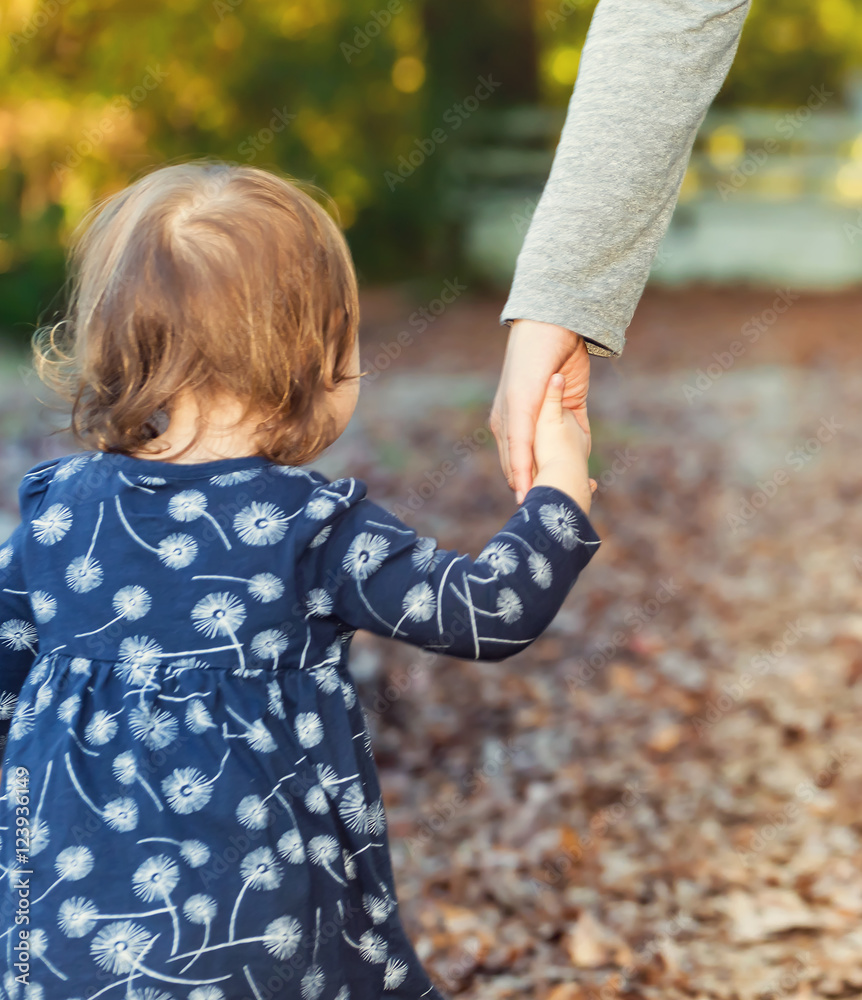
(649, 71)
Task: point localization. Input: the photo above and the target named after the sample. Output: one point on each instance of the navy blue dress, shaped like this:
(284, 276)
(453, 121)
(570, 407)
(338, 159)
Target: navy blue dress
(190, 808)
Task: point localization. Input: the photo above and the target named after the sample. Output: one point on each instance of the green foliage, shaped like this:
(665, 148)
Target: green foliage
(341, 92)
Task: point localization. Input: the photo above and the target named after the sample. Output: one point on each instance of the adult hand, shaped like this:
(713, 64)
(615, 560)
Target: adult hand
(534, 353)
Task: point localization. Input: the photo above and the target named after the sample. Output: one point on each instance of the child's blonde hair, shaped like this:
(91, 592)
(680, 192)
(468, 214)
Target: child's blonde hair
(211, 277)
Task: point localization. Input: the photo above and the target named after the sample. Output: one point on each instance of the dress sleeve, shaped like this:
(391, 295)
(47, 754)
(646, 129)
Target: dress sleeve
(369, 570)
(18, 635)
(649, 71)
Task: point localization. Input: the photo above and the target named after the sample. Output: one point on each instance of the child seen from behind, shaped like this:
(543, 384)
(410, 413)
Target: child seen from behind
(204, 816)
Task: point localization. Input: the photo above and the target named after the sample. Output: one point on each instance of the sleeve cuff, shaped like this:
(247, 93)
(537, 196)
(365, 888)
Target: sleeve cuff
(586, 533)
(602, 342)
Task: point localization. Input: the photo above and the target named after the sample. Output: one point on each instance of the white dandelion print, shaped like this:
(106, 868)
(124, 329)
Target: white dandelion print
(419, 604)
(323, 850)
(560, 524)
(269, 645)
(17, 634)
(102, 728)
(53, 525)
(84, 574)
(72, 865)
(253, 812)
(316, 800)
(353, 808)
(423, 554)
(130, 604)
(394, 974)
(177, 551)
(282, 936)
(377, 908)
(7, 704)
(189, 505)
(140, 651)
(118, 947)
(156, 878)
(265, 587)
(218, 614)
(261, 524)
(187, 790)
(193, 599)
(200, 909)
(320, 537)
(127, 772)
(365, 555)
(156, 728)
(195, 853)
(540, 570)
(275, 700)
(291, 847)
(260, 871)
(121, 814)
(70, 467)
(509, 605)
(44, 606)
(22, 721)
(233, 479)
(309, 729)
(198, 717)
(319, 603)
(501, 557)
(77, 916)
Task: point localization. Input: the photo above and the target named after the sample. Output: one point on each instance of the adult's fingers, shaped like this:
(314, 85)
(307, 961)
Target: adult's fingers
(499, 430)
(520, 433)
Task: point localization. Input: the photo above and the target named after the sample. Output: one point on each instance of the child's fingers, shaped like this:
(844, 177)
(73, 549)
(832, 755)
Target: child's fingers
(553, 404)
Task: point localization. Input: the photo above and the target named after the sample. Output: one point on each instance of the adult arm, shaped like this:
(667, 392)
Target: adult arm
(649, 71)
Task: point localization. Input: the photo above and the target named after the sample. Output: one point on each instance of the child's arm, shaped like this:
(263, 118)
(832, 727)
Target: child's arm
(371, 571)
(18, 636)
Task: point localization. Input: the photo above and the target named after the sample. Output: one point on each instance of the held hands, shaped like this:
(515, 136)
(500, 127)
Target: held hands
(536, 351)
(561, 448)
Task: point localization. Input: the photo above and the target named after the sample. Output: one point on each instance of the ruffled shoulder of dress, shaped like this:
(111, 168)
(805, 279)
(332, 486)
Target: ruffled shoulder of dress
(35, 482)
(327, 502)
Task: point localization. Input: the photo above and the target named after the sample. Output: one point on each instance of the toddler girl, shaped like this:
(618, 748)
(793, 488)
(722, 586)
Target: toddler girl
(190, 805)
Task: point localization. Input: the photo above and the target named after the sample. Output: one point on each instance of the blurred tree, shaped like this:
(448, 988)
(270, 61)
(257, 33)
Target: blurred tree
(343, 92)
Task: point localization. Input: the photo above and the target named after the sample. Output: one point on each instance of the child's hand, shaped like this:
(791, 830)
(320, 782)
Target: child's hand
(561, 448)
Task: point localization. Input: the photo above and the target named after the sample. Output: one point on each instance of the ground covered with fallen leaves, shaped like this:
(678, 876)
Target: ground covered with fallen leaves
(661, 797)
